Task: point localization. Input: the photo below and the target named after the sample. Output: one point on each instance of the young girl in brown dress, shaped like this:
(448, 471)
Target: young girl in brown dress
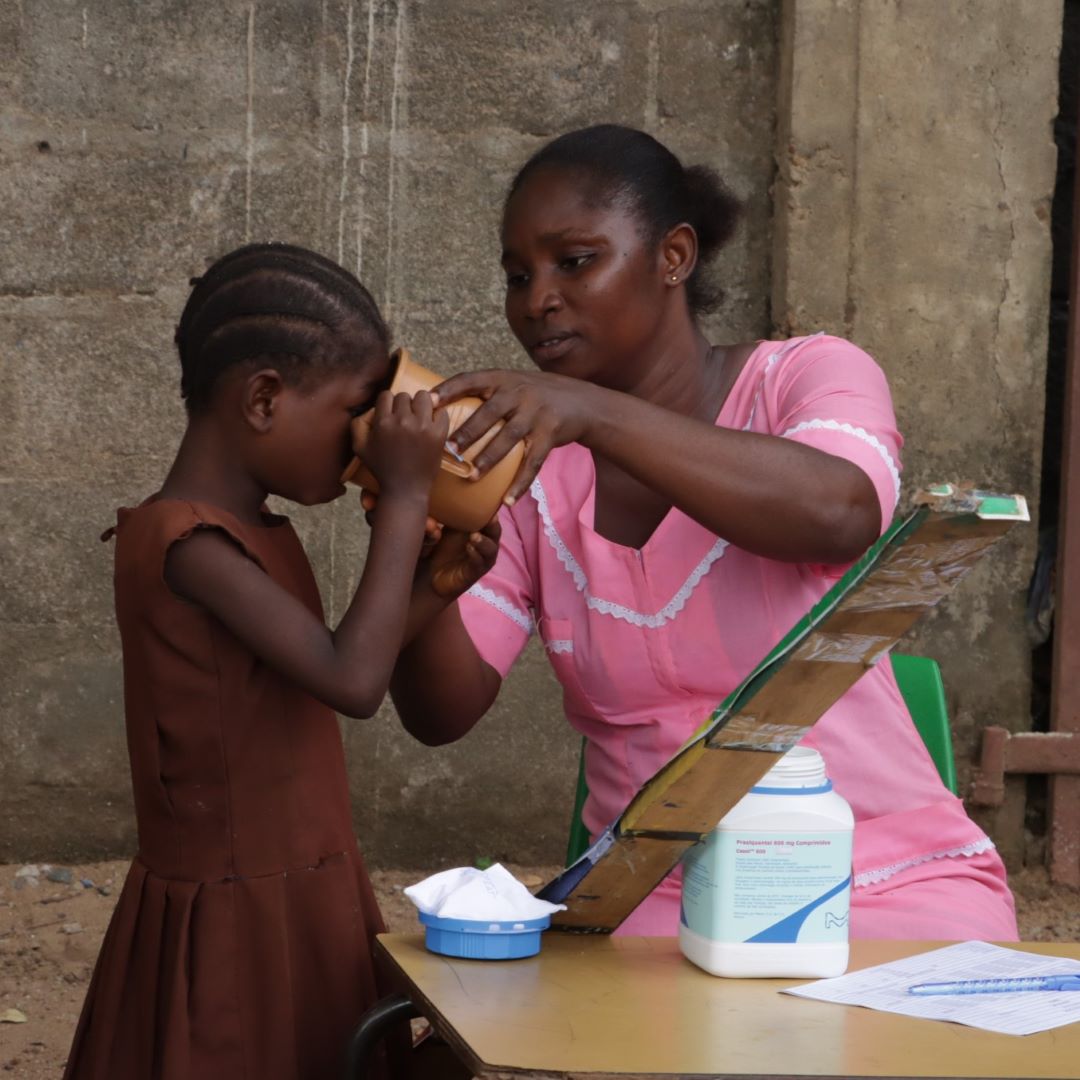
(240, 944)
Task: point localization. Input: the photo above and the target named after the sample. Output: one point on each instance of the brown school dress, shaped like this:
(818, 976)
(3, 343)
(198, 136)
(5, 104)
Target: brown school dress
(241, 942)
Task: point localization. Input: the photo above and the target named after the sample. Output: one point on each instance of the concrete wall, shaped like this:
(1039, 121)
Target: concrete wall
(141, 139)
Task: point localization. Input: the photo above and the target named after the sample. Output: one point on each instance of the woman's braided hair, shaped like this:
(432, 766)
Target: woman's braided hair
(276, 304)
(615, 162)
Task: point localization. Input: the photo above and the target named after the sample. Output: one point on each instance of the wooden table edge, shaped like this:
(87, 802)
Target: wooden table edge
(398, 981)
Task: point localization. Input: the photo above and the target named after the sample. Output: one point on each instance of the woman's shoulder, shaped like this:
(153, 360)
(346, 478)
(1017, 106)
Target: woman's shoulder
(820, 363)
(776, 361)
(810, 346)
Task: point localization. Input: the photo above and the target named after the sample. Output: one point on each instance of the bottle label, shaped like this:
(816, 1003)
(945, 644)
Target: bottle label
(767, 886)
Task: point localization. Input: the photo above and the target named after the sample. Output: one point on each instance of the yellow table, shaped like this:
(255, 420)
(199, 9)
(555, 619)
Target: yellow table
(634, 1007)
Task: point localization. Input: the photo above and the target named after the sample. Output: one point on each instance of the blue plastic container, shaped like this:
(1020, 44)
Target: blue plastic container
(479, 939)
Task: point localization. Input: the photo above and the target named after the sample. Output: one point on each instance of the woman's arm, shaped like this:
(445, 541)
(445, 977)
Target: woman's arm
(766, 494)
(459, 647)
(441, 686)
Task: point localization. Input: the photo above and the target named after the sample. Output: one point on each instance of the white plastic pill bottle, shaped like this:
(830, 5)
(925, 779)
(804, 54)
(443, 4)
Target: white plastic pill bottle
(768, 893)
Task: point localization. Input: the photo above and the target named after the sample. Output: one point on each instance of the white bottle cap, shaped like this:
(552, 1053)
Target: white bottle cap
(800, 767)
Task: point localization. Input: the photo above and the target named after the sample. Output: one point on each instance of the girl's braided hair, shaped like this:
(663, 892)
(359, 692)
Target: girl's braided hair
(276, 304)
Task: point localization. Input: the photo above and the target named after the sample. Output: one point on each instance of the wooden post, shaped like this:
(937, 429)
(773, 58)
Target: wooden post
(1064, 825)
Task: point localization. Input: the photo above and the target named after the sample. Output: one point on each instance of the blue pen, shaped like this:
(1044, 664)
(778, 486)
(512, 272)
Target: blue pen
(1000, 986)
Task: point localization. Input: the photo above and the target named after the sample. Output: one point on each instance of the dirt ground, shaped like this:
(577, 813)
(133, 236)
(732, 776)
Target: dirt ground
(50, 931)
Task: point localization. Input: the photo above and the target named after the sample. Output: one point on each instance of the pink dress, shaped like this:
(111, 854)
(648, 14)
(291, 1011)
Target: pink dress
(646, 642)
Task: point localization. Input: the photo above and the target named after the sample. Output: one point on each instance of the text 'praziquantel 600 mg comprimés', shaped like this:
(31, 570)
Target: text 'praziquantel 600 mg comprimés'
(767, 894)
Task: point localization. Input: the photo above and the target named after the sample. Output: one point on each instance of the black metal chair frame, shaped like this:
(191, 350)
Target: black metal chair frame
(373, 1027)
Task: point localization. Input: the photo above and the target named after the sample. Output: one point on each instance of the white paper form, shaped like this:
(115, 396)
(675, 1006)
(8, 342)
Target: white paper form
(1015, 1013)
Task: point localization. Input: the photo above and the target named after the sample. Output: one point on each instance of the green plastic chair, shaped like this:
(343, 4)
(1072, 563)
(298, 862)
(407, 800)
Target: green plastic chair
(919, 680)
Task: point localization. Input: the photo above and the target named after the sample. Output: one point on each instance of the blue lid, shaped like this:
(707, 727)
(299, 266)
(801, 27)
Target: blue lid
(487, 926)
(821, 789)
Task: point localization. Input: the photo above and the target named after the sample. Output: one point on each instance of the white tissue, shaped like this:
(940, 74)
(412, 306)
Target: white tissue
(492, 895)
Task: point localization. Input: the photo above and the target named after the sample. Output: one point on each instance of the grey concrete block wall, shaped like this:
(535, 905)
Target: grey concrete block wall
(139, 139)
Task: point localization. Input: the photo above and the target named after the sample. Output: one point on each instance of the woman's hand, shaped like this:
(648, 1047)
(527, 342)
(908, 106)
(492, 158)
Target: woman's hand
(543, 410)
(458, 560)
(451, 560)
(404, 447)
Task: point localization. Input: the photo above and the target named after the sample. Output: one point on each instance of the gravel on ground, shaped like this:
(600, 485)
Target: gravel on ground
(52, 920)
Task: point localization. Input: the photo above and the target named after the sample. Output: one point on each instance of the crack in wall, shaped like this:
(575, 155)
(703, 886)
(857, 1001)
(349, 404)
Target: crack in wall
(365, 104)
(395, 99)
(854, 232)
(249, 134)
(346, 133)
(1006, 203)
(652, 77)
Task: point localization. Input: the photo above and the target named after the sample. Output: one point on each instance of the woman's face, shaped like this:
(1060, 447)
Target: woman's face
(585, 293)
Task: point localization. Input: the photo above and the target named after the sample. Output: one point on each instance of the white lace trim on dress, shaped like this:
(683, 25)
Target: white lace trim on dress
(770, 363)
(563, 645)
(859, 433)
(883, 873)
(773, 357)
(609, 607)
(500, 603)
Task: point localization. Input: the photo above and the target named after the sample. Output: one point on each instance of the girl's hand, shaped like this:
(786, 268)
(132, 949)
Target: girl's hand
(543, 410)
(405, 445)
(460, 559)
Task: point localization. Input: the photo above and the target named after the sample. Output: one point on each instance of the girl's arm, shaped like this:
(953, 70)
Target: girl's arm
(771, 496)
(348, 668)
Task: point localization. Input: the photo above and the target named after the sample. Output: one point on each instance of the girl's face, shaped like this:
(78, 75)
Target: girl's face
(585, 294)
(311, 434)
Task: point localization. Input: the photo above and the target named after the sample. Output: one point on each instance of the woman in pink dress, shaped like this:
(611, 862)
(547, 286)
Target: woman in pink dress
(680, 507)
